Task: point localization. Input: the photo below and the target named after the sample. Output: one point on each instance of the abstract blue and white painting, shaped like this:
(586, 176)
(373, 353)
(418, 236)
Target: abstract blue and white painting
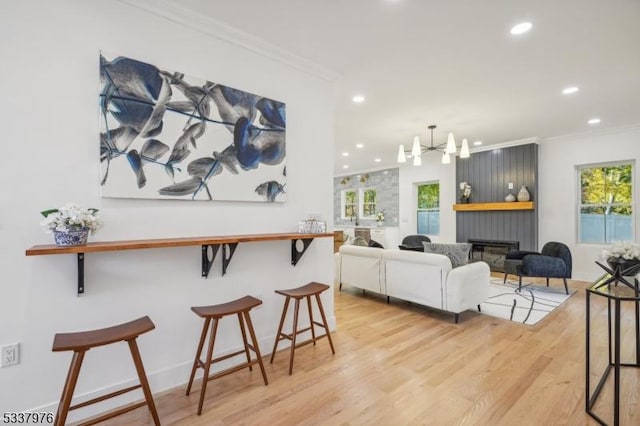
(165, 135)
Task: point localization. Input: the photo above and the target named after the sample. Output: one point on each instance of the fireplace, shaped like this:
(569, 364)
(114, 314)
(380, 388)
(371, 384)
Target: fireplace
(492, 251)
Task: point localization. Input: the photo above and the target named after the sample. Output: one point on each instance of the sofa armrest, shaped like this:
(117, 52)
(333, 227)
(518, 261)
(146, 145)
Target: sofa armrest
(466, 287)
(544, 266)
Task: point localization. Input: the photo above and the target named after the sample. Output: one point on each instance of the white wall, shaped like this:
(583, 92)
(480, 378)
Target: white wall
(49, 84)
(558, 158)
(431, 170)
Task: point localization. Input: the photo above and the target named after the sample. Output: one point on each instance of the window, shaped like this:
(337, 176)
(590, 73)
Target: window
(349, 204)
(368, 206)
(605, 213)
(359, 202)
(428, 208)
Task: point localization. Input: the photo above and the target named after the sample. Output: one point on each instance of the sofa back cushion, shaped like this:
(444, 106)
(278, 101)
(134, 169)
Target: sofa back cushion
(415, 276)
(361, 267)
(458, 253)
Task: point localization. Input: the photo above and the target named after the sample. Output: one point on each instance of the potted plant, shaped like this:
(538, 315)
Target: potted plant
(622, 256)
(380, 218)
(70, 224)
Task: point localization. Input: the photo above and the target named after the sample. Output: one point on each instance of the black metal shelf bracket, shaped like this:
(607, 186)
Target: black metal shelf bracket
(295, 254)
(226, 260)
(207, 260)
(80, 273)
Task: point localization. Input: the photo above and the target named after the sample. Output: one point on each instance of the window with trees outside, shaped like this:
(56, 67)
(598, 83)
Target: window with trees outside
(349, 204)
(368, 203)
(605, 213)
(428, 208)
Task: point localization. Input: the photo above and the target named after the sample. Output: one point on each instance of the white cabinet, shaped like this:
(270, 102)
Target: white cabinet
(387, 236)
(379, 235)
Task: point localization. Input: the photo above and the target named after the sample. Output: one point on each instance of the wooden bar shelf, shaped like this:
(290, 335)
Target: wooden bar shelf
(209, 247)
(476, 207)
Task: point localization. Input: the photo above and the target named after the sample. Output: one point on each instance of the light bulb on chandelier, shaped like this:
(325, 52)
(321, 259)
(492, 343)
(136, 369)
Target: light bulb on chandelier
(446, 148)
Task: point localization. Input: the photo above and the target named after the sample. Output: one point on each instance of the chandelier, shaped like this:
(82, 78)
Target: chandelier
(445, 148)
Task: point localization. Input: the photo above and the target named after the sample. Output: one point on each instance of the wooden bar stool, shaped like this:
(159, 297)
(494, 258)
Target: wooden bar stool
(308, 290)
(80, 343)
(241, 307)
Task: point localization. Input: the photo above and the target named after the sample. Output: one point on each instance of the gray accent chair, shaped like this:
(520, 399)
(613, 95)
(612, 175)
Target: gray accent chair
(414, 242)
(554, 261)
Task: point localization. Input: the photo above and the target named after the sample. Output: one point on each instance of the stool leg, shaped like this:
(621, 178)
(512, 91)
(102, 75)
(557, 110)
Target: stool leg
(252, 333)
(279, 333)
(203, 336)
(313, 333)
(69, 387)
(148, 396)
(207, 364)
(294, 333)
(324, 321)
(244, 340)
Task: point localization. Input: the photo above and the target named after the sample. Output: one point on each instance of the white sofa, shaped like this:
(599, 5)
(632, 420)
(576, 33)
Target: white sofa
(423, 278)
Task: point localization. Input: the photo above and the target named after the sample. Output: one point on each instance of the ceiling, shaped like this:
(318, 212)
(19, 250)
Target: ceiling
(455, 64)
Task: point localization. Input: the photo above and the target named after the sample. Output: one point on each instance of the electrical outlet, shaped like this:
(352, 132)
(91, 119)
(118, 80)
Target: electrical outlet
(10, 355)
(510, 185)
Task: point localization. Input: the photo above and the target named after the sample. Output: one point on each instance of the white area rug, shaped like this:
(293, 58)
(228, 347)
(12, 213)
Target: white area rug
(530, 305)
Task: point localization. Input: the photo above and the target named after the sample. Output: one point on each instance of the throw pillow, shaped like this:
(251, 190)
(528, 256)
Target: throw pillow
(458, 253)
(373, 243)
(359, 241)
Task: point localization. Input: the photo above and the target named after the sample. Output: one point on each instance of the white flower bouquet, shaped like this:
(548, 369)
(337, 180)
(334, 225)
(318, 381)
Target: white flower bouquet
(625, 250)
(70, 217)
(380, 216)
(465, 190)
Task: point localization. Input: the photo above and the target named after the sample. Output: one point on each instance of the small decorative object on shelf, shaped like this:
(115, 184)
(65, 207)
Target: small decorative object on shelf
(523, 194)
(312, 226)
(465, 192)
(510, 198)
(70, 224)
(380, 218)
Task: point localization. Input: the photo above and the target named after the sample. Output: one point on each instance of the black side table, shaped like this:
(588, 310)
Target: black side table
(615, 295)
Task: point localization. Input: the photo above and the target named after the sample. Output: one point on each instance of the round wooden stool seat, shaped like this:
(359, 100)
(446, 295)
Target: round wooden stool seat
(243, 304)
(85, 340)
(310, 289)
(306, 291)
(80, 343)
(212, 315)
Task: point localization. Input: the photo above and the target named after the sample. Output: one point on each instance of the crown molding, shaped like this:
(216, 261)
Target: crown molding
(360, 171)
(179, 14)
(596, 132)
(508, 144)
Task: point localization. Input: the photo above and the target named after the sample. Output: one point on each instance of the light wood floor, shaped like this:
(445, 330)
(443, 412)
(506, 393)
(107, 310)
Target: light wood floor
(404, 364)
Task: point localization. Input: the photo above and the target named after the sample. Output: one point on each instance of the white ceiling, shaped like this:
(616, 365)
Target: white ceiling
(454, 63)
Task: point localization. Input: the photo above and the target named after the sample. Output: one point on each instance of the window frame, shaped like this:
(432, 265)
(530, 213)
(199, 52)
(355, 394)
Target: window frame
(579, 205)
(361, 202)
(418, 209)
(344, 204)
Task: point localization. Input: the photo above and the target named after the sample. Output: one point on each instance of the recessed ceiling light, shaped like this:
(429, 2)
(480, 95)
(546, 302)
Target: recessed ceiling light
(345, 166)
(570, 90)
(377, 160)
(594, 121)
(345, 154)
(359, 145)
(358, 99)
(521, 28)
(477, 143)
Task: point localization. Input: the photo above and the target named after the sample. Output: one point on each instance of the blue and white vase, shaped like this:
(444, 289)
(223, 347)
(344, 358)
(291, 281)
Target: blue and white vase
(71, 237)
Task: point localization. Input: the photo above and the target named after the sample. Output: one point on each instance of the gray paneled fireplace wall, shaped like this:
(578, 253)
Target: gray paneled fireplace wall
(489, 173)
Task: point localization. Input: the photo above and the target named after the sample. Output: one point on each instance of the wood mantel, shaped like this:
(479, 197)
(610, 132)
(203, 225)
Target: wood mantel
(210, 247)
(476, 207)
